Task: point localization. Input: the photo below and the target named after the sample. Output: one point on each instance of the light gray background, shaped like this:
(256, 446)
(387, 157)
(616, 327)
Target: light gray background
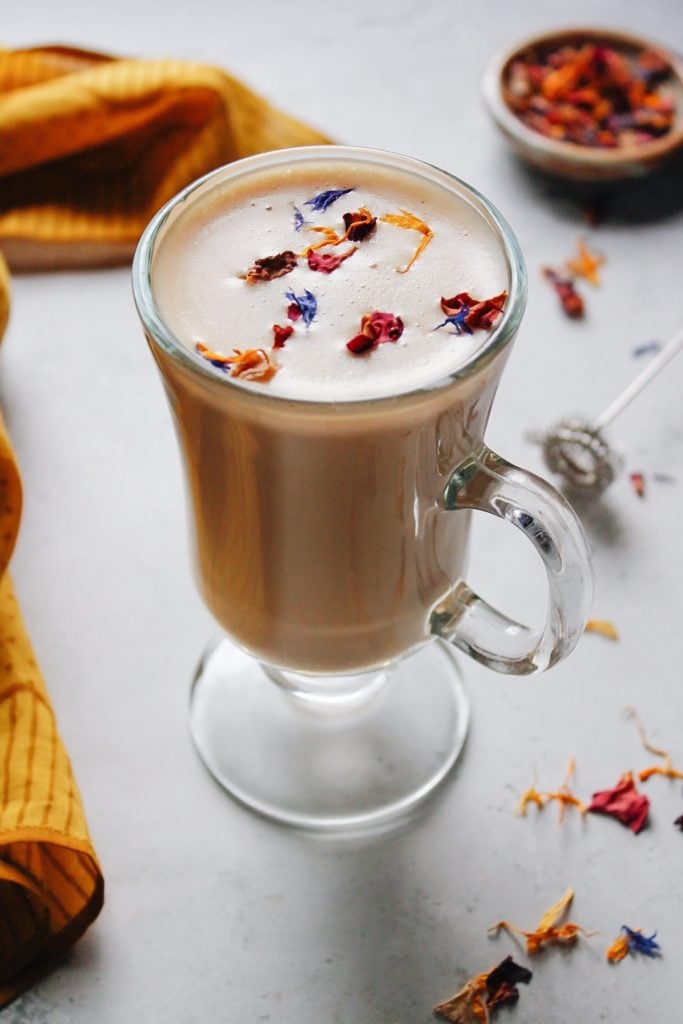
(212, 914)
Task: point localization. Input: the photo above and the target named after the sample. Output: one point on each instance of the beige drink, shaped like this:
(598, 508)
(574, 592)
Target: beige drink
(322, 540)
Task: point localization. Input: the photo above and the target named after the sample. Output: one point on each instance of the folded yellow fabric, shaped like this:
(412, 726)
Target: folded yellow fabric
(91, 146)
(51, 885)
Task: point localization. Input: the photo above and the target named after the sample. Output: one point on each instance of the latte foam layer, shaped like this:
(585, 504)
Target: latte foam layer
(212, 264)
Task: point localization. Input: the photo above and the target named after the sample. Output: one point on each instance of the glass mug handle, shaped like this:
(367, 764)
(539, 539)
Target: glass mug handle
(485, 482)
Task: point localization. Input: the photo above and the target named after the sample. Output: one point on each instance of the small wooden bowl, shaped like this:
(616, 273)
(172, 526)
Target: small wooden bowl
(568, 159)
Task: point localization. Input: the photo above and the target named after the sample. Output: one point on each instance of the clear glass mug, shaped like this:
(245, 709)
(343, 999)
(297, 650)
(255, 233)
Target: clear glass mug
(331, 543)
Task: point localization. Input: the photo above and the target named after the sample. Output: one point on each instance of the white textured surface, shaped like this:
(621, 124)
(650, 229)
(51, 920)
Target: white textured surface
(212, 914)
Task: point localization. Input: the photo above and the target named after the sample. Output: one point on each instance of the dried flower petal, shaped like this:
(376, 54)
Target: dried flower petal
(530, 796)
(360, 343)
(667, 769)
(603, 627)
(502, 982)
(468, 1005)
(331, 237)
(564, 796)
(586, 264)
(217, 359)
(451, 307)
(305, 306)
(326, 262)
(618, 949)
(458, 321)
(548, 928)
(253, 364)
(281, 334)
(553, 914)
(590, 95)
(484, 992)
(413, 223)
(359, 225)
(638, 483)
(299, 219)
(375, 329)
(485, 312)
(571, 301)
(324, 199)
(270, 267)
(468, 314)
(647, 348)
(382, 327)
(623, 802)
(632, 940)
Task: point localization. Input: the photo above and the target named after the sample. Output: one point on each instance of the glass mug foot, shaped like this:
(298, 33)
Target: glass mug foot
(349, 753)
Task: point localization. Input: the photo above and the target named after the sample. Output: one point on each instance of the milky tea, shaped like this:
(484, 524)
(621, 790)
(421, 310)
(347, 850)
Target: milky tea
(317, 478)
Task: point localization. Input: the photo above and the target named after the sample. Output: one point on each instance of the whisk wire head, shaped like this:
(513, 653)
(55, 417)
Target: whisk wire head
(578, 452)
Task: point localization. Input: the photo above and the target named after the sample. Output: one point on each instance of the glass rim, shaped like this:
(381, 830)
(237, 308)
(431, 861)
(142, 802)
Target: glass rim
(162, 335)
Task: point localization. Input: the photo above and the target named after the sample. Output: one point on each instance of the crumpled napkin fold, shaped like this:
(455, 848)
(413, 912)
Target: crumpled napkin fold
(91, 146)
(51, 886)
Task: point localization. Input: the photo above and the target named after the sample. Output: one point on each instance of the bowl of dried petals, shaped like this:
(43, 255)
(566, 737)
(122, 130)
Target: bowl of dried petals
(589, 104)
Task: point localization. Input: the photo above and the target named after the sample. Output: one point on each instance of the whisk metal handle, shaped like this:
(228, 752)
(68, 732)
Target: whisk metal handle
(656, 364)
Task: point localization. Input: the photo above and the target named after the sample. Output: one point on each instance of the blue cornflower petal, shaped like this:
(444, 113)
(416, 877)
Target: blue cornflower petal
(307, 304)
(325, 199)
(457, 321)
(639, 943)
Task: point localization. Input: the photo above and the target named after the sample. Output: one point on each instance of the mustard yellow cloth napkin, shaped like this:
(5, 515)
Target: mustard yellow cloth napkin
(51, 885)
(91, 146)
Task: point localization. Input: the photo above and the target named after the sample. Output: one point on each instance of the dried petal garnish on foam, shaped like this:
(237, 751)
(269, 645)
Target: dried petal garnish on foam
(330, 237)
(375, 329)
(359, 225)
(624, 803)
(484, 992)
(270, 267)
(302, 306)
(299, 219)
(217, 359)
(253, 364)
(467, 314)
(326, 262)
(548, 928)
(408, 220)
(280, 335)
(249, 364)
(324, 199)
(632, 940)
(666, 769)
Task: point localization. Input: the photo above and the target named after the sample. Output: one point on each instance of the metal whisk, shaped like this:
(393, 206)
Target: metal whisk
(578, 451)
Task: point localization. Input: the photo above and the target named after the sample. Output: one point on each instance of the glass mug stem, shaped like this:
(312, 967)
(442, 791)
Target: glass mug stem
(485, 482)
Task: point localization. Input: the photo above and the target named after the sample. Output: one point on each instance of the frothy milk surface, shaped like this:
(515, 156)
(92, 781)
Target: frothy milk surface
(199, 277)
